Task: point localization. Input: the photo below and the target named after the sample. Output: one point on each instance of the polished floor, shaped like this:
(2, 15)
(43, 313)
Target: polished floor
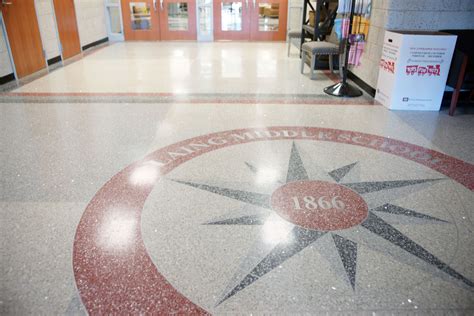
(195, 178)
(146, 67)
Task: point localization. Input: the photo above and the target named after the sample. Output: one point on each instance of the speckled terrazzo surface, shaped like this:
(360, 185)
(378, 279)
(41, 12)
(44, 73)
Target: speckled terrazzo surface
(273, 200)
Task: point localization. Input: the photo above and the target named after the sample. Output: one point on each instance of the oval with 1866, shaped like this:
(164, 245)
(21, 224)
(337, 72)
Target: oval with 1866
(319, 205)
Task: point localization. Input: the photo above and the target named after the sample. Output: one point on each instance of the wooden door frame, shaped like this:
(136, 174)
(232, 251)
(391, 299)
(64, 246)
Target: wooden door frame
(280, 35)
(242, 35)
(190, 34)
(131, 35)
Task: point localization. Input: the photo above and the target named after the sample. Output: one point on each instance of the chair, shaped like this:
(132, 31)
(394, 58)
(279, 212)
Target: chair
(461, 78)
(291, 35)
(461, 72)
(316, 48)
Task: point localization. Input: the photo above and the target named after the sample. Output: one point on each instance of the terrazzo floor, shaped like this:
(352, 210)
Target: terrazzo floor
(214, 178)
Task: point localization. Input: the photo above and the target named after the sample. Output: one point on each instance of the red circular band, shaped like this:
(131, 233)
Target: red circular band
(113, 271)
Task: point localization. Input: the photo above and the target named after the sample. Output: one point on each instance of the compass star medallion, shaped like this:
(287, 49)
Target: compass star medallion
(273, 221)
(300, 205)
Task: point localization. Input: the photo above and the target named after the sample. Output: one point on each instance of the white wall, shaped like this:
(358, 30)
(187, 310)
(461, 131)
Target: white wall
(90, 16)
(369, 67)
(48, 28)
(5, 65)
(295, 15)
(91, 20)
(425, 15)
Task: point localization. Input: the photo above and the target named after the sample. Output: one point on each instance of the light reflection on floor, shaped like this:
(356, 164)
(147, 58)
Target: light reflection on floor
(112, 188)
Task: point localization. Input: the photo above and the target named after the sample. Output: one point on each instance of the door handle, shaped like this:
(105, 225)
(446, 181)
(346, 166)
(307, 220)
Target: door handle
(247, 4)
(254, 3)
(154, 5)
(161, 5)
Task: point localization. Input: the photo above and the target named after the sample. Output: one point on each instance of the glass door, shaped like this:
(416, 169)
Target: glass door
(232, 19)
(268, 20)
(140, 20)
(178, 19)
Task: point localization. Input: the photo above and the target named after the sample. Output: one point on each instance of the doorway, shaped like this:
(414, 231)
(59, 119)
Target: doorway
(23, 33)
(256, 20)
(155, 20)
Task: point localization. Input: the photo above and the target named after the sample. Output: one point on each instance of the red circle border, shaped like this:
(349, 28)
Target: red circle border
(127, 281)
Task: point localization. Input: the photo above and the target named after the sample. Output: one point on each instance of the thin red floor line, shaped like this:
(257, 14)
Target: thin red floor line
(194, 100)
(86, 94)
(289, 102)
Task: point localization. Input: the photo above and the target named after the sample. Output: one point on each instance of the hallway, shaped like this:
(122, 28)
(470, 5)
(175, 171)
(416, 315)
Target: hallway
(159, 177)
(171, 67)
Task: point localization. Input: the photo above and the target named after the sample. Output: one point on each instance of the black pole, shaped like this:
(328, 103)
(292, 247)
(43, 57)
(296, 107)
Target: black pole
(305, 10)
(317, 17)
(343, 88)
(348, 44)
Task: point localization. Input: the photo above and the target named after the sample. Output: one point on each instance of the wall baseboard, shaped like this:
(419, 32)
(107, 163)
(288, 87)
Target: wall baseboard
(361, 83)
(54, 60)
(101, 41)
(7, 78)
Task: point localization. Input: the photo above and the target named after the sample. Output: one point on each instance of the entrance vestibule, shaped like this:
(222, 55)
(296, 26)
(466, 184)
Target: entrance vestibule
(255, 20)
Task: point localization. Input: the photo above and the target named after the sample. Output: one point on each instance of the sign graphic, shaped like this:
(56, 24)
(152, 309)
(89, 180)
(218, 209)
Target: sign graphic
(387, 65)
(430, 70)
